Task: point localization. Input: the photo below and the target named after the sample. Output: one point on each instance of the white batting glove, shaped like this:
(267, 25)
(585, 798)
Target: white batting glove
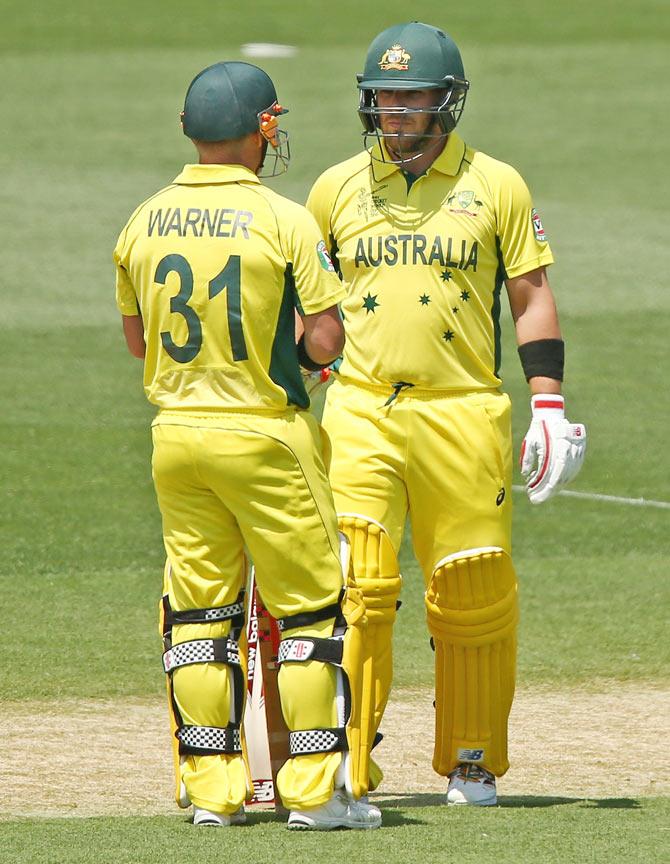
(314, 381)
(553, 449)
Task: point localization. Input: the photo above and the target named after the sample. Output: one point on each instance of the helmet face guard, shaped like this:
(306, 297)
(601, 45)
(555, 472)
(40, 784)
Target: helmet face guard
(446, 112)
(278, 140)
(411, 57)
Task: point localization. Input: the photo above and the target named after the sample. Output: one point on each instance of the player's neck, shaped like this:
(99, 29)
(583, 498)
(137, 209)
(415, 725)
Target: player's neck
(242, 151)
(423, 162)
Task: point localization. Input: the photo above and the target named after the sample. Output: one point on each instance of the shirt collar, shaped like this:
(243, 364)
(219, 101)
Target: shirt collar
(448, 162)
(196, 175)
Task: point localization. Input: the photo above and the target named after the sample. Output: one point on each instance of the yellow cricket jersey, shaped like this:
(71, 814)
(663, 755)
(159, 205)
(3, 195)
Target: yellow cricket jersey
(216, 263)
(424, 266)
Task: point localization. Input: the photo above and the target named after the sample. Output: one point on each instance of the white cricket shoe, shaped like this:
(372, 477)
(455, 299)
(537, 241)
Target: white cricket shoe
(207, 817)
(472, 784)
(339, 812)
(221, 820)
(373, 808)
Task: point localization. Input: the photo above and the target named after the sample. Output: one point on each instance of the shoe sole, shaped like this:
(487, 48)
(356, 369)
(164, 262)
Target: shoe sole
(472, 803)
(208, 823)
(303, 826)
(239, 818)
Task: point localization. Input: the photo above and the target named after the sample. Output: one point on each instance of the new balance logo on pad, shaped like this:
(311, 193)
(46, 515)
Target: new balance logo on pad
(465, 755)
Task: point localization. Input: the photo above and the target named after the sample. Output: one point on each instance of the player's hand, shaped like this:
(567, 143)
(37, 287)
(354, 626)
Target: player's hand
(553, 449)
(314, 381)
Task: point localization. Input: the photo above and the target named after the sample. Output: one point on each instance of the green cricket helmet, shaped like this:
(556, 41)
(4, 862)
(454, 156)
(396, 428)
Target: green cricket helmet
(231, 99)
(413, 56)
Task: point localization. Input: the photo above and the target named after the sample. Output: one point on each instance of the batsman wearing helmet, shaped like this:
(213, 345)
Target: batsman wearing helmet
(425, 231)
(209, 273)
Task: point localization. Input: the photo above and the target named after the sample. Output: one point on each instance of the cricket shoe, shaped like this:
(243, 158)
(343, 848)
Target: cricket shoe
(207, 817)
(373, 808)
(339, 812)
(220, 820)
(471, 784)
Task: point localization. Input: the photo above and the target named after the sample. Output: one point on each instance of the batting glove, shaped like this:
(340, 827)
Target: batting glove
(553, 449)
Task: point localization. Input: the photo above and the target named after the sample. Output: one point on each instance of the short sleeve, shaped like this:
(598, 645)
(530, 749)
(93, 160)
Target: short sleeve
(126, 298)
(316, 283)
(318, 204)
(524, 245)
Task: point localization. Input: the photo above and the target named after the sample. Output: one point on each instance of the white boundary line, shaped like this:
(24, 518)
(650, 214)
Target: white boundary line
(615, 499)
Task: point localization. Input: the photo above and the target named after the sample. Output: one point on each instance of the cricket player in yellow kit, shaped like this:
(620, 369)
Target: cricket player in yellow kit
(210, 271)
(425, 231)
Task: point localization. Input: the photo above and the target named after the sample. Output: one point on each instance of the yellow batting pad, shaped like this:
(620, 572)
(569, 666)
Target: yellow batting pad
(375, 569)
(202, 695)
(319, 679)
(358, 665)
(180, 795)
(346, 707)
(307, 780)
(472, 615)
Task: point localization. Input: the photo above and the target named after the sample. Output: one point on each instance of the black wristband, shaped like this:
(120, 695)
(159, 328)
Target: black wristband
(543, 358)
(305, 360)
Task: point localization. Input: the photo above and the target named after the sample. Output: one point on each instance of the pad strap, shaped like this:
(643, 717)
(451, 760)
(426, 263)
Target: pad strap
(305, 648)
(205, 740)
(317, 741)
(233, 611)
(306, 619)
(300, 650)
(223, 650)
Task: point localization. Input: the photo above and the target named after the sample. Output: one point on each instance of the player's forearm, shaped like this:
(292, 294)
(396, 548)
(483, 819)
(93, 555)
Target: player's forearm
(539, 320)
(538, 333)
(540, 384)
(133, 330)
(535, 315)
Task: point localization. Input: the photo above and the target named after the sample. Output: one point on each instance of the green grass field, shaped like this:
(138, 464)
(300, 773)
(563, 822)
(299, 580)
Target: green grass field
(576, 97)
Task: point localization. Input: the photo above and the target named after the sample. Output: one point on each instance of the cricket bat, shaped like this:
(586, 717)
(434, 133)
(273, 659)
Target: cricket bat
(265, 731)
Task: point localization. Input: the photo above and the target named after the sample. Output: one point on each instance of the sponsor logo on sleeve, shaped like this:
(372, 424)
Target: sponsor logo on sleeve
(538, 227)
(324, 257)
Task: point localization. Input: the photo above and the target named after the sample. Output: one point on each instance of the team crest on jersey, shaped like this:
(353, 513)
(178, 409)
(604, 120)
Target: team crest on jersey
(464, 202)
(538, 227)
(324, 257)
(395, 58)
